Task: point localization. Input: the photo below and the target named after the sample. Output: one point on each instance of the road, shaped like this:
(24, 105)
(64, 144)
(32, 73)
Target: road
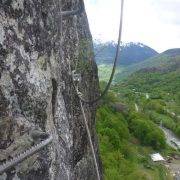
(171, 138)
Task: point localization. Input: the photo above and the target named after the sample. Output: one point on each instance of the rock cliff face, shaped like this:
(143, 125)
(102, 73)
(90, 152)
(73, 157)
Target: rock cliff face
(36, 92)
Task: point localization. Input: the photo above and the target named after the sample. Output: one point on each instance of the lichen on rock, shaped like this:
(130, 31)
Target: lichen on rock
(36, 90)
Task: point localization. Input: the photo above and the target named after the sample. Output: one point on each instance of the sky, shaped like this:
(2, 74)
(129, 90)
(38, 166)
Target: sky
(155, 23)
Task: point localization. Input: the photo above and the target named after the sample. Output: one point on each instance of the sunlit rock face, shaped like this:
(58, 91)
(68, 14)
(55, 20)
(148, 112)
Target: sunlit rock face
(36, 91)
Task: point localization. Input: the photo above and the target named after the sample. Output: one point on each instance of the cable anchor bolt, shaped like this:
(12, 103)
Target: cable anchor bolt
(76, 76)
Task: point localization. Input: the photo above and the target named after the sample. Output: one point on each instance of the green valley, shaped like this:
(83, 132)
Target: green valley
(129, 117)
(105, 71)
(161, 60)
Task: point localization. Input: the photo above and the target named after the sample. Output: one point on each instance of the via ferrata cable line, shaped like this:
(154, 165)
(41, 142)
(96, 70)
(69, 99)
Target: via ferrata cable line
(90, 140)
(79, 94)
(76, 77)
(82, 109)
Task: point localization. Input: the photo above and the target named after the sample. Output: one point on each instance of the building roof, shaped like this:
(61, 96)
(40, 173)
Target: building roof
(157, 157)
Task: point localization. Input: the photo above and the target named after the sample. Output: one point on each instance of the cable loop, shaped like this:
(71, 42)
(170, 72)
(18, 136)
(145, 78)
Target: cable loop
(91, 102)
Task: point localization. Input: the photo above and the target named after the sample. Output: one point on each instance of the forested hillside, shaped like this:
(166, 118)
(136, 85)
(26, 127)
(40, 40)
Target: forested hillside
(129, 119)
(122, 72)
(161, 85)
(127, 138)
(161, 60)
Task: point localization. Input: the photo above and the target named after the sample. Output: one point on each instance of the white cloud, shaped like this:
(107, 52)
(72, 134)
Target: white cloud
(152, 22)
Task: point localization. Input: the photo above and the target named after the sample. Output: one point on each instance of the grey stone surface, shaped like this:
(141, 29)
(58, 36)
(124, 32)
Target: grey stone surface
(36, 89)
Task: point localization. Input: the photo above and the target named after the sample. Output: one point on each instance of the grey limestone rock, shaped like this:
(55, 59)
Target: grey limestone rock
(36, 90)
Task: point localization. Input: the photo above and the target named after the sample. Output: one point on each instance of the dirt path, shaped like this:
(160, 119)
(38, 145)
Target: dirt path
(174, 167)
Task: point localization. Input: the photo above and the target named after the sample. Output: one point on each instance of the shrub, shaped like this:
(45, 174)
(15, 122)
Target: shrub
(156, 139)
(165, 120)
(148, 133)
(155, 105)
(177, 130)
(139, 175)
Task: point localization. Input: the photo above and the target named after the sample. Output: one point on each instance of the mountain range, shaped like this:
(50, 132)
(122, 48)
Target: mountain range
(130, 53)
(134, 57)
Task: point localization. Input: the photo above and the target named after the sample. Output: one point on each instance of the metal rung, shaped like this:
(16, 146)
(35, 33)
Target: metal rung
(21, 157)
